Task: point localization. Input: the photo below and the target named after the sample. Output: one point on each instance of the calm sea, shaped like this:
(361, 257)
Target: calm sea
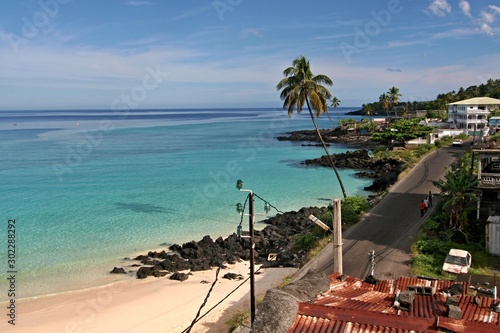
(87, 188)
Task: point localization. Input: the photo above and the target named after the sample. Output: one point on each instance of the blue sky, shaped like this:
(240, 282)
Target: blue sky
(231, 53)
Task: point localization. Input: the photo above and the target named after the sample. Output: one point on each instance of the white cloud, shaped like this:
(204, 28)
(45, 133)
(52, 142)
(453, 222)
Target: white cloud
(487, 29)
(465, 7)
(487, 17)
(496, 9)
(440, 7)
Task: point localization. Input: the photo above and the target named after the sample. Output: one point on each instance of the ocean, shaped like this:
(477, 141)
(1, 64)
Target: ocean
(88, 188)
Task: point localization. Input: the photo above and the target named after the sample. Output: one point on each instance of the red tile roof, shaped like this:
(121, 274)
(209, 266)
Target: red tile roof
(352, 305)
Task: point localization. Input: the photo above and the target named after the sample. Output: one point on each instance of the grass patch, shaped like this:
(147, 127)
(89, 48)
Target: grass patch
(286, 280)
(239, 319)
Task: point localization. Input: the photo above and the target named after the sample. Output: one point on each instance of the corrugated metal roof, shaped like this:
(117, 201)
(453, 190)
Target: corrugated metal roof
(352, 305)
(493, 219)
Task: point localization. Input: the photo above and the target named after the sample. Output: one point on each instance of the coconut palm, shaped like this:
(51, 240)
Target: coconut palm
(384, 101)
(301, 85)
(393, 96)
(368, 110)
(335, 104)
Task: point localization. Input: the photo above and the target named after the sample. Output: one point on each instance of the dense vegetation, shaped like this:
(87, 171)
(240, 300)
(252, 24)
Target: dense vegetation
(402, 131)
(489, 89)
(453, 225)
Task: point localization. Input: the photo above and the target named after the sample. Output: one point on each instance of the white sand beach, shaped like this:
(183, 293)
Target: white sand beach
(150, 305)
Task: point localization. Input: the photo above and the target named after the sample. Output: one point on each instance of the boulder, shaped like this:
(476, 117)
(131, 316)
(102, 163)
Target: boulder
(179, 276)
(118, 270)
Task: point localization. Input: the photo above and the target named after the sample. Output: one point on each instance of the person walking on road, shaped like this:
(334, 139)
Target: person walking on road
(421, 205)
(429, 197)
(426, 203)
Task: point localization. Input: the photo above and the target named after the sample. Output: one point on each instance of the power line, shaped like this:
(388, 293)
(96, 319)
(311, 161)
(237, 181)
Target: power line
(265, 201)
(204, 302)
(198, 317)
(218, 303)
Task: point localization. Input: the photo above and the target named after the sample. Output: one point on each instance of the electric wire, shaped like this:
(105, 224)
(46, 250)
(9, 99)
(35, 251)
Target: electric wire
(265, 201)
(222, 300)
(204, 302)
(198, 317)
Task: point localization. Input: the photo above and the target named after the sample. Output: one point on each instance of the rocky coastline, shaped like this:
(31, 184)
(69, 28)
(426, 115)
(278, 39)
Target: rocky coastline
(384, 172)
(337, 136)
(275, 239)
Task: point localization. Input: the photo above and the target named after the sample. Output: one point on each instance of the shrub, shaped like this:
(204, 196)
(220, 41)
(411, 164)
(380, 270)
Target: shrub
(304, 242)
(352, 209)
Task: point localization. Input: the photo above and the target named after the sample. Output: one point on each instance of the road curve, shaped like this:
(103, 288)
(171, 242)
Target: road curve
(390, 228)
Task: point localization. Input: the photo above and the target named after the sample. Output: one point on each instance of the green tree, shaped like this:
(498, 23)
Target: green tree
(457, 188)
(335, 104)
(402, 131)
(368, 110)
(393, 96)
(301, 85)
(384, 101)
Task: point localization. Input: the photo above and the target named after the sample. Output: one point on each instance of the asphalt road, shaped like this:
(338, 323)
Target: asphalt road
(390, 227)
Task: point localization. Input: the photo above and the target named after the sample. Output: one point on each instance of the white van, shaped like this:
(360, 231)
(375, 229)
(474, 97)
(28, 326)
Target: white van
(457, 261)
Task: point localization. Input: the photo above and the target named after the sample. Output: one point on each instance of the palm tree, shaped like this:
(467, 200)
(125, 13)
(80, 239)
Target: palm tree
(301, 85)
(368, 109)
(384, 101)
(335, 104)
(393, 96)
(457, 189)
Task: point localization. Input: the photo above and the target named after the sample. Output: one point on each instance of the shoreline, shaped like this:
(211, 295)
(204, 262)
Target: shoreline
(151, 305)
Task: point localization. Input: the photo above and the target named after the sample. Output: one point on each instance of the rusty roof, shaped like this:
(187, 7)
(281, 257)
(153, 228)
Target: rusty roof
(352, 305)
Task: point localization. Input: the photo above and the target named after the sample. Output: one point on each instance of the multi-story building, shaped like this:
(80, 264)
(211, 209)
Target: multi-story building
(471, 115)
(488, 173)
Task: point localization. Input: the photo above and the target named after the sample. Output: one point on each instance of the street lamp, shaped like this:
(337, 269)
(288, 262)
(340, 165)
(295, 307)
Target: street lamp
(239, 186)
(240, 209)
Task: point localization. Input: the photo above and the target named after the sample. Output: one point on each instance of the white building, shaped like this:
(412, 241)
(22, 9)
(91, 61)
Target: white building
(471, 114)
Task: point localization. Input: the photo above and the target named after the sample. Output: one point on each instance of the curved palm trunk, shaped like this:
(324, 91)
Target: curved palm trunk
(326, 149)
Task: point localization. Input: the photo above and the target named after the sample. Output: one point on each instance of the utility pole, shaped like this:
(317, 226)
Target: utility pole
(337, 236)
(251, 220)
(252, 262)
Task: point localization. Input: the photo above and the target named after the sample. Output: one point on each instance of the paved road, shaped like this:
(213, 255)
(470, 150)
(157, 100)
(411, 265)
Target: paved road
(390, 228)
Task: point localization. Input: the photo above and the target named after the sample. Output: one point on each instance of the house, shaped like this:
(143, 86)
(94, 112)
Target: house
(488, 208)
(471, 115)
(405, 305)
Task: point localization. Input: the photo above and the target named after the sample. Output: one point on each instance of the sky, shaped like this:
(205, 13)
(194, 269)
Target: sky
(124, 54)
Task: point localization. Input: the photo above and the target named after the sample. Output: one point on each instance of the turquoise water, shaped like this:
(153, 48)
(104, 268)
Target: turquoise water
(87, 188)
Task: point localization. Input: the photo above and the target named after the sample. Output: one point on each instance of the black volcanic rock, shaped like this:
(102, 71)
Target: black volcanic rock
(118, 270)
(384, 172)
(179, 276)
(275, 238)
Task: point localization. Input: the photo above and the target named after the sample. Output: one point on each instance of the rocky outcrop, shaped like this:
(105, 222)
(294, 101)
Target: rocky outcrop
(337, 135)
(275, 238)
(118, 270)
(384, 171)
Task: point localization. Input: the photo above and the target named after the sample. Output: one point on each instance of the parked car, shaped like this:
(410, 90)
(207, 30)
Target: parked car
(457, 142)
(457, 261)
